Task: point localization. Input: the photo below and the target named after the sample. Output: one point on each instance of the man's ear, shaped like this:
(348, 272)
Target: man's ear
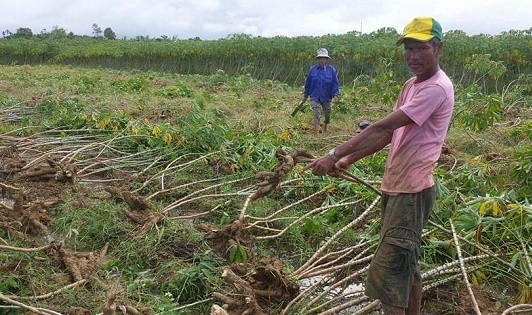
(440, 45)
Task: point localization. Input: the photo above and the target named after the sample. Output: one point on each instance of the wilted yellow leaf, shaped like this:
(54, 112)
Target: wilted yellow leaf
(495, 209)
(102, 123)
(525, 294)
(518, 207)
(284, 134)
(479, 277)
(167, 138)
(155, 131)
(482, 208)
(329, 188)
(474, 280)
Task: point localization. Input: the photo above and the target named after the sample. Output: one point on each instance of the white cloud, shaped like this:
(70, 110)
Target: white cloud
(211, 19)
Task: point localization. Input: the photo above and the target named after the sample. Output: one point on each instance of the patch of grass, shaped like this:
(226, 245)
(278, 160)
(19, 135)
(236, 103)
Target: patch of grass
(90, 223)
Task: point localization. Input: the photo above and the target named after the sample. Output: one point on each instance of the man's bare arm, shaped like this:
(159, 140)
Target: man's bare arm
(372, 139)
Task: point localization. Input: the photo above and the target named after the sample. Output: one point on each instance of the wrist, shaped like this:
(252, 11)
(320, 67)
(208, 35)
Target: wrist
(332, 155)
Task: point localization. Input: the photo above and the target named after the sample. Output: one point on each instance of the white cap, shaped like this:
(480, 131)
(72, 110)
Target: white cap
(322, 52)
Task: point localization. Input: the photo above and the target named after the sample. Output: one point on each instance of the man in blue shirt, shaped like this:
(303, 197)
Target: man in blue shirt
(321, 85)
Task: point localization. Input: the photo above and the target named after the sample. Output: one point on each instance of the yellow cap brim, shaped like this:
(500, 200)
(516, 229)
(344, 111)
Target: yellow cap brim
(415, 36)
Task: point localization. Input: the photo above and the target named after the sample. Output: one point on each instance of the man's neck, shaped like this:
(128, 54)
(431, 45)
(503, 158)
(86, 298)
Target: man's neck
(424, 77)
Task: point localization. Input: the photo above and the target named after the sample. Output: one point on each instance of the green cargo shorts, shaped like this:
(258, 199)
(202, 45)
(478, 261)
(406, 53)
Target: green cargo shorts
(394, 267)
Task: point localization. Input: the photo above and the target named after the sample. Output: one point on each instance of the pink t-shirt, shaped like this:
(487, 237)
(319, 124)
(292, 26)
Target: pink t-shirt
(415, 148)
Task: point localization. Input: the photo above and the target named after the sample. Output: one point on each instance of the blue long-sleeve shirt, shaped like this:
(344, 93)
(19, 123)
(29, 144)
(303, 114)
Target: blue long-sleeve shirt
(321, 84)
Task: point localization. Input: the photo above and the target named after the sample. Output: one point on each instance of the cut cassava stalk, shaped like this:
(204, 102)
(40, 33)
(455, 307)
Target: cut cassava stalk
(336, 235)
(464, 272)
(188, 198)
(48, 295)
(337, 284)
(22, 249)
(518, 309)
(477, 246)
(301, 218)
(40, 311)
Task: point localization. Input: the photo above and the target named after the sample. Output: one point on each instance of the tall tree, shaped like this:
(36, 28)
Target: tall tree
(58, 32)
(23, 32)
(109, 34)
(96, 30)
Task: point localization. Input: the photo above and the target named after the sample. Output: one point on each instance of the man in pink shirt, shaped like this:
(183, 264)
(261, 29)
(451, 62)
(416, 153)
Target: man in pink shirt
(415, 132)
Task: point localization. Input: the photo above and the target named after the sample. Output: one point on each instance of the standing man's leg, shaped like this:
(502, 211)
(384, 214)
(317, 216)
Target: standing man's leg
(392, 310)
(316, 113)
(326, 114)
(414, 303)
(394, 276)
(414, 300)
(426, 204)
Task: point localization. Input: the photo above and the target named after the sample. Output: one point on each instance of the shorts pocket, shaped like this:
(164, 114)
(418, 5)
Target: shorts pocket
(395, 255)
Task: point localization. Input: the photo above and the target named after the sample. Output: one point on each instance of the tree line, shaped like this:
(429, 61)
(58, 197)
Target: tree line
(58, 32)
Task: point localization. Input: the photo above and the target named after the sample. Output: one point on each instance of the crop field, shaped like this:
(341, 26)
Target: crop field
(129, 188)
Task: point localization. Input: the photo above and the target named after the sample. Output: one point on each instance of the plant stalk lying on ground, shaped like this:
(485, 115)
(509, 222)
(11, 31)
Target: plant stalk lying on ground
(93, 155)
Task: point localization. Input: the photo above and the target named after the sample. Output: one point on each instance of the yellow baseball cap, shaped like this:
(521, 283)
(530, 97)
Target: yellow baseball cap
(421, 29)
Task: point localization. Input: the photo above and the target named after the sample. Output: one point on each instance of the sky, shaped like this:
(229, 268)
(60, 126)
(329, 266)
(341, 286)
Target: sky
(214, 19)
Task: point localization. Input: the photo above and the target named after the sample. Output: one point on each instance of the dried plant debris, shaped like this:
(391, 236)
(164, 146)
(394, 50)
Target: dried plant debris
(141, 211)
(256, 288)
(286, 162)
(80, 265)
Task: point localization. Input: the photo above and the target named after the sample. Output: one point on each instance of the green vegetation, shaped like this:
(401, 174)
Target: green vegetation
(283, 59)
(165, 164)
